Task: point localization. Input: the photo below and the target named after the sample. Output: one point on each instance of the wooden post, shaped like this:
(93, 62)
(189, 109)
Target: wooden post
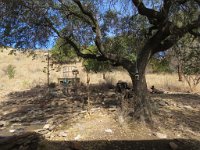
(88, 94)
(48, 72)
(180, 77)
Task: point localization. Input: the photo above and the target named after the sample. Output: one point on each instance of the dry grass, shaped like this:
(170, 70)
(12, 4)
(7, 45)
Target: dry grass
(169, 82)
(166, 82)
(29, 73)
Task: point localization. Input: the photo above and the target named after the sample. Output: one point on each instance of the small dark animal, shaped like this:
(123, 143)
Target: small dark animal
(155, 91)
(121, 86)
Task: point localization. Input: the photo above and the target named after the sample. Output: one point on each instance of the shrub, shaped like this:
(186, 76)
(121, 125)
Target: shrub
(10, 71)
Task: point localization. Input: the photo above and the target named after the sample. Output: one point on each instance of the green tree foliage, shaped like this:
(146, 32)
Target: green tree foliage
(123, 46)
(62, 53)
(92, 65)
(160, 65)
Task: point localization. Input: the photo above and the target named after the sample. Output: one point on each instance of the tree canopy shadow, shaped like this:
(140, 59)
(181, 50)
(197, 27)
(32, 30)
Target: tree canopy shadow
(181, 109)
(37, 106)
(185, 98)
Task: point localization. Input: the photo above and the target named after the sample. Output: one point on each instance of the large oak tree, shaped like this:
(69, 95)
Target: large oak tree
(153, 27)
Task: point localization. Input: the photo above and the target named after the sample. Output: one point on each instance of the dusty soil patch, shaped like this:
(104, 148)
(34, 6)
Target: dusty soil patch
(62, 121)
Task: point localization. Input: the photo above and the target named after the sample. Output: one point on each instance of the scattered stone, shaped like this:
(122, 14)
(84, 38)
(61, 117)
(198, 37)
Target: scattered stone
(173, 145)
(48, 135)
(12, 130)
(52, 127)
(83, 111)
(62, 134)
(121, 119)
(77, 137)
(160, 135)
(162, 103)
(46, 126)
(17, 131)
(114, 108)
(108, 131)
(188, 107)
(95, 109)
(3, 124)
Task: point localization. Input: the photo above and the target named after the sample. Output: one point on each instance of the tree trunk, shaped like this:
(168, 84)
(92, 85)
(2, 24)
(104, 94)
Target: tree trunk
(104, 75)
(140, 102)
(142, 108)
(180, 75)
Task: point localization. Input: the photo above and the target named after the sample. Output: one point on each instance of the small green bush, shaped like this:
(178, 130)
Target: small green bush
(10, 70)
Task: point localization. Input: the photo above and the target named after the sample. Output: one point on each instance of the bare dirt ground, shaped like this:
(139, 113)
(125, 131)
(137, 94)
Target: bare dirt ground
(34, 119)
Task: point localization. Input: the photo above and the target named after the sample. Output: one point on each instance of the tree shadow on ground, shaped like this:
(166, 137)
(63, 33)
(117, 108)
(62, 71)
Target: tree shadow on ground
(36, 106)
(179, 110)
(185, 99)
(33, 141)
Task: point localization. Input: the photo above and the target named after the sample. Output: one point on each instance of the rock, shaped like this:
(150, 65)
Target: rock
(50, 121)
(162, 103)
(62, 134)
(52, 127)
(160, 135)
(108, 131)
(114, 108)
(17, 131)
(83, 112)
(77, 137)
(188, 107)
(54, 103)
(12, 130)
(3, 123)
(48, 135)
(173, 145)
(121, 119)
(46, 126)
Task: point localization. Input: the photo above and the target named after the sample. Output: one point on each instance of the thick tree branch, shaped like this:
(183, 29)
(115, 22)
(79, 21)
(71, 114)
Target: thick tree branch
(95, 27)
(153, 16)
(176, 34)
(167, 44)
(85, 12)
(166, 7)
(65, 9)
(194, 33)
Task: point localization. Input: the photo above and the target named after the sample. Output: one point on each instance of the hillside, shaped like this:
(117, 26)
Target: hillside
(29, 72)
